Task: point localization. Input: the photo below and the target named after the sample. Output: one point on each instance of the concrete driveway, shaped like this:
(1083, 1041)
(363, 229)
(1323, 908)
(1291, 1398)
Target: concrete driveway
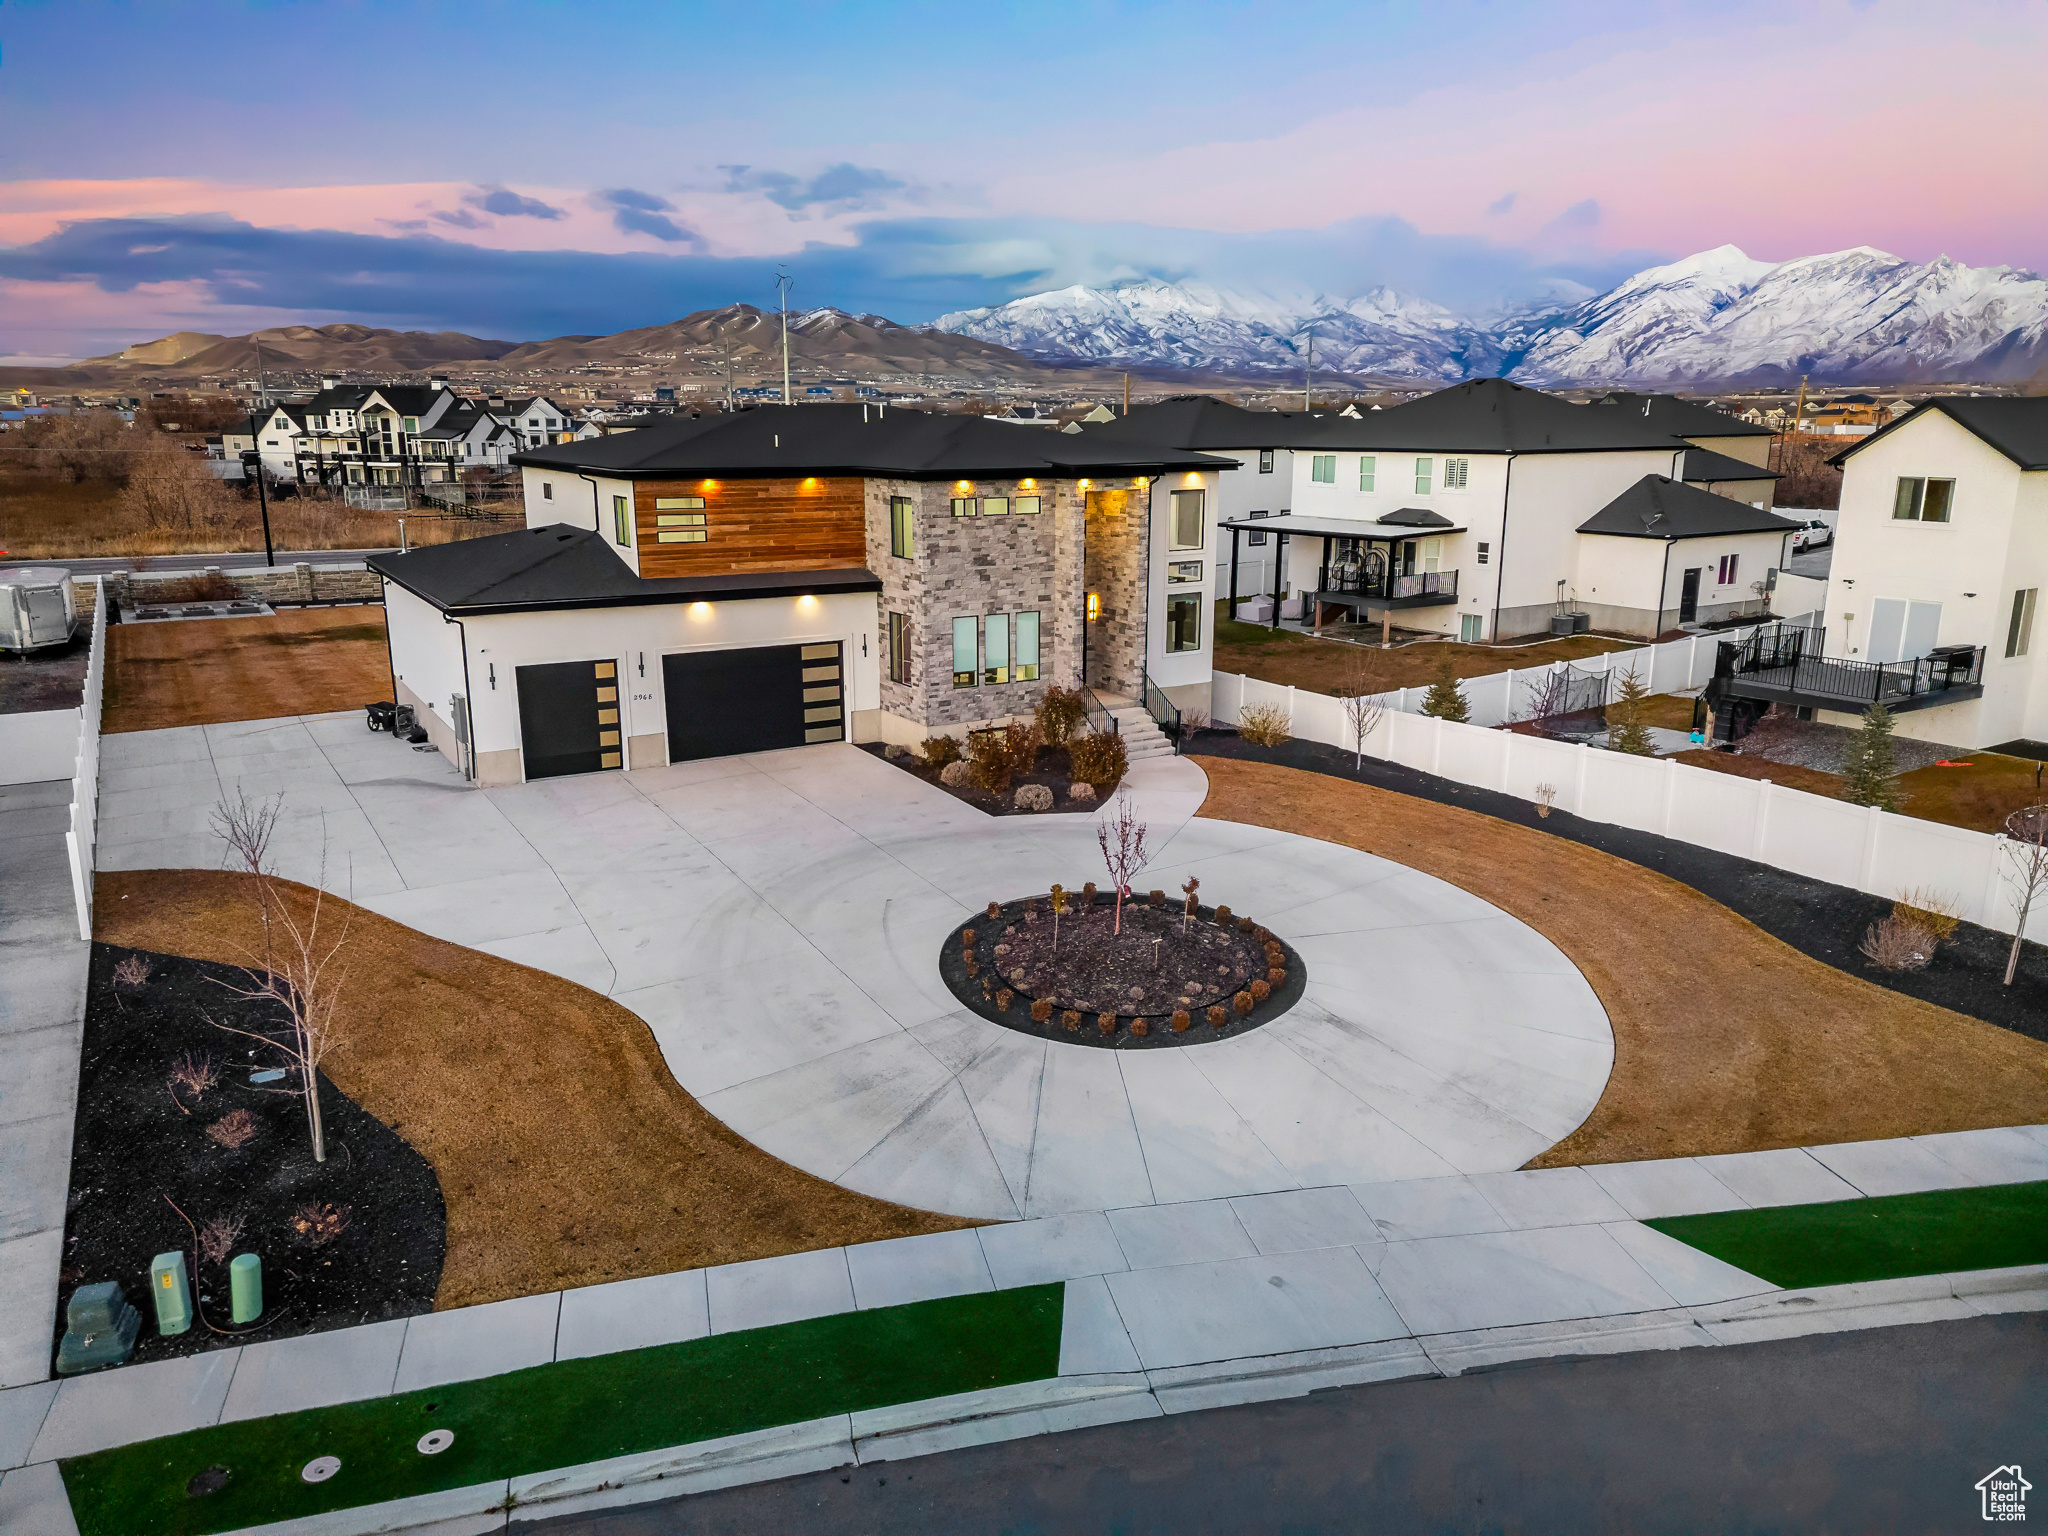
(776, 921)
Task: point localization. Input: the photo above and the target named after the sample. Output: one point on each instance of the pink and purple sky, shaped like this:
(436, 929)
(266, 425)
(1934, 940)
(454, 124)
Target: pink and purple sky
(518, 170)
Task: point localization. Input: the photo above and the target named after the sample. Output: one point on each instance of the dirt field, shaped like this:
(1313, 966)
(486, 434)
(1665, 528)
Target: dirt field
(567, 1154)
(1326, 666)
(302, 661)
(1725, 1039)
(1978, 797)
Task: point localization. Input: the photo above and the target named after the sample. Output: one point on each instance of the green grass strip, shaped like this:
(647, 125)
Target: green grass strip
(1882, 1238)
(571, 1412)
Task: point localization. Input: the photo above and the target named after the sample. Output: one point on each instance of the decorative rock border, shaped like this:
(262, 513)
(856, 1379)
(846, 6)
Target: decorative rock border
(1132, 1032)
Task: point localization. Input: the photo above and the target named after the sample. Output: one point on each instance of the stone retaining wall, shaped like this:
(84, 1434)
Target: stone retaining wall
(300, 583)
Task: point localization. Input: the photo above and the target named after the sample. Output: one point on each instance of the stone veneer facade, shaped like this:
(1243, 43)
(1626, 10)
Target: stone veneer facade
(1004, 565)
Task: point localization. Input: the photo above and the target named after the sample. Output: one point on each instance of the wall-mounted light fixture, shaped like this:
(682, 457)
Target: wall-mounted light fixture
(1094, 606)
(700, 610)
(494, 677)
(643, 663)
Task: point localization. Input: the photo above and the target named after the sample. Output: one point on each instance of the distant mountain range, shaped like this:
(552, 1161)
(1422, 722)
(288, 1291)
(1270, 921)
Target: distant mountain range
(1712, 320)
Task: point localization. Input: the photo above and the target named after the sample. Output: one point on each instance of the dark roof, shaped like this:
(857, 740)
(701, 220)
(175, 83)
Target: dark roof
(1705, 464)
(1416, 517)
(855, 440)
(409, 399)
(1683, 418)
(538, 569)
(2017, 426)
(1489, 416)
(1200, 421)
(1658, 507)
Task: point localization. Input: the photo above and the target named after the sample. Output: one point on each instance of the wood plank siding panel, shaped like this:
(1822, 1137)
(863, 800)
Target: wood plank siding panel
(756, 525)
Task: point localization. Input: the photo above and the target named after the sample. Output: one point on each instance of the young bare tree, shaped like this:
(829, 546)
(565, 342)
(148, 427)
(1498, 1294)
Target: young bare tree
(1122, 839)
(299, 966)
(1363, 707)
(2026, 870)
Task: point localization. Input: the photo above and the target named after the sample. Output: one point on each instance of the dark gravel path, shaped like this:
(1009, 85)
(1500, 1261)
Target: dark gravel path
(1817, 919)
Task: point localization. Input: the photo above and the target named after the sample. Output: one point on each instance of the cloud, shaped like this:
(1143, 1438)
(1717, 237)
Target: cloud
(510, 205)
(853, 186)
(462, 218)
(1500, 206)
(642, 213)
(1580, 216)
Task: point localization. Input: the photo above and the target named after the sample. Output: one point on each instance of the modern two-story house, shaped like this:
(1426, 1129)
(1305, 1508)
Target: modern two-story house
(1941, 552)
(1484, 510)
(799, 574)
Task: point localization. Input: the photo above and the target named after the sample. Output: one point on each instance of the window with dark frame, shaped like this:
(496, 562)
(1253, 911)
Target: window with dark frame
(1921, 500)
(2019, 635)
(966, 652)
(1485, 549)
(1256, 539)
(1184, 621)
(1322, 468)
(1024, 666)
(1265, 461)
(995, 649)
(899, 648)
(1186, 528)
(622, 522)
(903, 527)
(680, 520)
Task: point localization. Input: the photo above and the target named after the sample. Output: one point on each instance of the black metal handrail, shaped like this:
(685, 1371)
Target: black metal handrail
(1363, 583)
(1789, 658)
(1100, 720)
(1165, 714)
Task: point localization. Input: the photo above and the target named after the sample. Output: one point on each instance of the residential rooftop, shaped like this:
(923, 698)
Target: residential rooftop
(1658, 507)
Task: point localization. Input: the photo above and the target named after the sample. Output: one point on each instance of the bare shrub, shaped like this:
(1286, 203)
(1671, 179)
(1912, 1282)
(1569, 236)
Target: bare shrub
(1264, 725)
(2026, 872)
(995, 911)
(966, 938)
(319, 1224)
(172, 491)
(1218, 1015)
(1070, 1019)
(1122, 840)
(1139, 1026)
(1099, 759)
(991, 760)
(196, 1076)
(1106, 1022)
(1897, 944)
(233, 1129)
(1936, 911)
(1546, 797)
(217, 1238)
(1192, 904)
(937, 751)
(132, 973)
(1060, 714)
(1004, 998)
(1363, 707)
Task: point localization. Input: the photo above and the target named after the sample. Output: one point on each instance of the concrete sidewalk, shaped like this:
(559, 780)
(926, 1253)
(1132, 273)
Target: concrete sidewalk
(42, 1017)
(1168, 1309)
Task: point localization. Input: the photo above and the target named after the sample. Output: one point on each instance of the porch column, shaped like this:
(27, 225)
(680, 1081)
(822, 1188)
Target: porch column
(1279, 578)
(1231, 609)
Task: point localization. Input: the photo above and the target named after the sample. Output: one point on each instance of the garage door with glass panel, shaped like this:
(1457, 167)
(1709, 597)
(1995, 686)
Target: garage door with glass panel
(569, 718)
(755, 699)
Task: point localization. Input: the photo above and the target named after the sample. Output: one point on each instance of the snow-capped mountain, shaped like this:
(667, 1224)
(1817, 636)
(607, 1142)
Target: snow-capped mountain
(1200, 328)
(1717, 318)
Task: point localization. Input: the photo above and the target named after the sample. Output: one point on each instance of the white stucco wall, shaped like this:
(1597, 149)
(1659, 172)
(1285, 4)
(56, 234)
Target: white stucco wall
(563, 496)
(426, 661)
(1185, 674)
(1995, 542)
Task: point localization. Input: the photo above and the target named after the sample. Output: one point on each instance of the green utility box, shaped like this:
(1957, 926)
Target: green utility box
(171, 1292)
(245, 1287)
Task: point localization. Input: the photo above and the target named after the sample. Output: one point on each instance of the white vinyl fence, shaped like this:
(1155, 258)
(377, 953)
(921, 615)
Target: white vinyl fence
(80, 842)
(1856, 846)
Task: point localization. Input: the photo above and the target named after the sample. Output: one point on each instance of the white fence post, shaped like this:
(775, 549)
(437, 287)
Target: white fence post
(1290, 706)
(1994, 883)
(1670, 794)
(1763, 821)
(1579, 782)
(1436, 745)
(1507, 761)
(1507, 699)
(1866, 874)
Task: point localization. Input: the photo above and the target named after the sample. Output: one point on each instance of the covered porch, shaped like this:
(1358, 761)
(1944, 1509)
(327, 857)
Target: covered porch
(1365, 571)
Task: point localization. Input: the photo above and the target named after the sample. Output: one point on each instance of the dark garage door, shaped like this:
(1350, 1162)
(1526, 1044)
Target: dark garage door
(569, 717)
(752, 700)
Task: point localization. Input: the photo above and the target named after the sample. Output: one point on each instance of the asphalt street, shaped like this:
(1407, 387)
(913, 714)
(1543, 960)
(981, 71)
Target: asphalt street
(107, 565)
(1878, 1431)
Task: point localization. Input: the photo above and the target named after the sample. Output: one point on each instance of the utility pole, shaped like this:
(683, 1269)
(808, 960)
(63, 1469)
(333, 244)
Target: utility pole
(1127, 394)
(1308, 382)
(782, 282)
(262, 500)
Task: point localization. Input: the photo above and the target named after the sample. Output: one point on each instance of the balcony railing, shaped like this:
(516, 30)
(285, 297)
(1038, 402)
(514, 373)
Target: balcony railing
(1374, 584)
(1789, 660)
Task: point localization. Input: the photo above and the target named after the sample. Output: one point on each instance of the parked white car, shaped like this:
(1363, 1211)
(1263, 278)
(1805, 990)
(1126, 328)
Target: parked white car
(1812, 533)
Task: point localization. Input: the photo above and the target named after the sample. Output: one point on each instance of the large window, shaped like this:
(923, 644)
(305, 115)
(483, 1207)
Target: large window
(1025, 506)
(902, 527)
(995, 506)
(1187, 520)
(1322, 468)
(966, 652)
(1265, 461)
(1025, 667)
(679, 520)
(2020, 635)
(1457, 472)
(995, 649)
(1725, 575)
(622, 522)
(1423, 468)
(1184, 621)
(1368, 472)
(963, 506)
(1923, 501)
(899, 647)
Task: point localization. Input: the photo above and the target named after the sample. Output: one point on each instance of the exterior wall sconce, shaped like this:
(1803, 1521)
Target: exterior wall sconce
(1094, 606)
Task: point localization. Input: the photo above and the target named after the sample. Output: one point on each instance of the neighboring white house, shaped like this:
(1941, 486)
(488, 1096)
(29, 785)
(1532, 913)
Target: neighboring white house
(1942, 543)
(1462, 511)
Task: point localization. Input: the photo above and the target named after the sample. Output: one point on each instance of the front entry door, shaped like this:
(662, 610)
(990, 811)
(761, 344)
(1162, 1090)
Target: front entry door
(1689, 597)
(569, 718)
(753, 699)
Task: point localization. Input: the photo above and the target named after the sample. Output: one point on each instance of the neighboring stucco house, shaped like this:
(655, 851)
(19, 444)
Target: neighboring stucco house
(1705, 556)
(791, 575)
(1942, 549)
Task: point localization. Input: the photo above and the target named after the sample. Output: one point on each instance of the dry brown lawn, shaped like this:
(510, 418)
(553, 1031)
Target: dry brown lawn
(1335, 666)
(566, 1152)
(1725, 1039)
(301, 661)
(1979, 795)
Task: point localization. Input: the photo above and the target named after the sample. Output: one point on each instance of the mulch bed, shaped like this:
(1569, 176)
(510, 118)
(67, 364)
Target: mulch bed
(1138, 978)
(1052, 770)
(142, 1143)
(50, 679)
(1823, 921)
